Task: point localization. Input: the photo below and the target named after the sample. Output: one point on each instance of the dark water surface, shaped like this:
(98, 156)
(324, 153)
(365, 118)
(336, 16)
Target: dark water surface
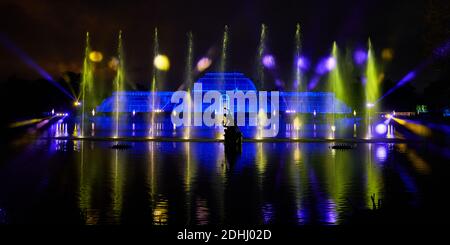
(178, 183)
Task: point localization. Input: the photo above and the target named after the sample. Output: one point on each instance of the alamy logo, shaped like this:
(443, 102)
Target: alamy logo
(227, 109)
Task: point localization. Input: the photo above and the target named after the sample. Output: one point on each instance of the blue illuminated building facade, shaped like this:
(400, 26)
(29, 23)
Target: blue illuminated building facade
(297, 102)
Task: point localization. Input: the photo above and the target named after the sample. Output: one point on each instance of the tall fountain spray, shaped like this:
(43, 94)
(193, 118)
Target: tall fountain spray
(189, 80)
(119, 86)
(334, 84)
(260, 55)
(336, 74)
(371, 87)
(154, 86)
(86, 85)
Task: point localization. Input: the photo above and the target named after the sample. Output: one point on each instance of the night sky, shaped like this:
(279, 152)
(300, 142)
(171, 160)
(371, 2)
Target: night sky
(52, 32)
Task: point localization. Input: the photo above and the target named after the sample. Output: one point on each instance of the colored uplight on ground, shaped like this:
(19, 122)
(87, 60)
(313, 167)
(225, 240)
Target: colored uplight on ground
(203, 64)
(76, 103)
(268, 61)
(161, 62)
(381, 128)
(95, 56)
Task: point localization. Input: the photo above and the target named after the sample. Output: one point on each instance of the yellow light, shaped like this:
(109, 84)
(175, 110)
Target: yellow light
(387, 54)
(261, 117)
(161, 62)
(388, 116)
(76, 103)
(333, 128)
(297, 154)
(354, 113)
(95, 56)
(296, 123)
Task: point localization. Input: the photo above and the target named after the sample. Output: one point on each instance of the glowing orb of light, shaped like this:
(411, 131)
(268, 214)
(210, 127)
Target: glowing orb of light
(95, 56)
(360, 56)
(279, 82)
(76, 103)
(330, 64)
(268, 61)
(296, 123)
(333, 128)
(203, 64)
(113, 64)
(161, 62)
(381, 128)
(302, 63)
(387, 54)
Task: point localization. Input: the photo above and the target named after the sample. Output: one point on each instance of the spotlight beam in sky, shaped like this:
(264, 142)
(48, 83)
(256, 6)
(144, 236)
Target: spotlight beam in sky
(9, 45)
